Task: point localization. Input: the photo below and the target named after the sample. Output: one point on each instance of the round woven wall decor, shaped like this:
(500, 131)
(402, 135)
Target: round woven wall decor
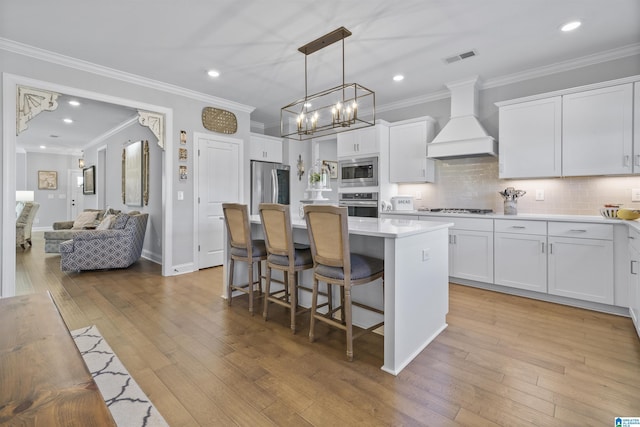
(218, 120)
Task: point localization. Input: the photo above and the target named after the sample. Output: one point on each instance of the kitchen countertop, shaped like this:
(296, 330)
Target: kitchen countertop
(529, 217)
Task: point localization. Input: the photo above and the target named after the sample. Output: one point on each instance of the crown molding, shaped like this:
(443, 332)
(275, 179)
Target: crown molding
(558, 67)
(111, 132)
(81, 65)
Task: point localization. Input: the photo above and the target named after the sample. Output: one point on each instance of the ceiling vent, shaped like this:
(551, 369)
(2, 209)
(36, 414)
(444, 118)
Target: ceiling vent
(460, 56)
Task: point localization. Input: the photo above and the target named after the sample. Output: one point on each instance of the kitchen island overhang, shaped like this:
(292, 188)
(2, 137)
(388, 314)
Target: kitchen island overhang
(416, 280)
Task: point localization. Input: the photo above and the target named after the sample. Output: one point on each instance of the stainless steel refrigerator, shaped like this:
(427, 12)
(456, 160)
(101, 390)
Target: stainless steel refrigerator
(269, 184)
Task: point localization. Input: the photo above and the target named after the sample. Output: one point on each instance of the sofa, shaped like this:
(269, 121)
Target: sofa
(64, 230)
(116, 247)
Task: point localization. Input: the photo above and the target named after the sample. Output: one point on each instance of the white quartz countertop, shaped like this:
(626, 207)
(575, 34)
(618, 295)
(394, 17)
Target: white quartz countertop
(380, 227)
(530, 217)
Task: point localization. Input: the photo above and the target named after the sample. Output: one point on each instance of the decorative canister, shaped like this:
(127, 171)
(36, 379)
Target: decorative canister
(510, 207)
(511, 196)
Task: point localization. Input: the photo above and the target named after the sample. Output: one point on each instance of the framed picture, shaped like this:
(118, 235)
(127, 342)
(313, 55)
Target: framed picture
(183, 137)
(89, 180)
(333, 168)
(132, 174)
(182, 172)
(47, 180)
(182, 154)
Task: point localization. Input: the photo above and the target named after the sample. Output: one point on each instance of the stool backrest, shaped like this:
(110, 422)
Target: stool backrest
(236, 218)
(276, 221)
(328, 235)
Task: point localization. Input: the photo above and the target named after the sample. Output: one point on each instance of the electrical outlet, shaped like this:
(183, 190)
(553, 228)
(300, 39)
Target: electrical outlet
(635, 194)
(426, 254)
(180, 195)
(418, 195)
(539, 195)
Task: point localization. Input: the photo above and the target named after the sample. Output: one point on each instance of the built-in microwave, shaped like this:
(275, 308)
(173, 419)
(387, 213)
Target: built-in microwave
(358, 172)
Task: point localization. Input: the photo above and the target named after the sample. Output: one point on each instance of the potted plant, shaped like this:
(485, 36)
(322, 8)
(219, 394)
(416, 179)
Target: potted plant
(315, 179)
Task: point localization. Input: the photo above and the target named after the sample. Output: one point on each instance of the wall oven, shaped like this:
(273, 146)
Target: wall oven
(358, 172)
(360, 204)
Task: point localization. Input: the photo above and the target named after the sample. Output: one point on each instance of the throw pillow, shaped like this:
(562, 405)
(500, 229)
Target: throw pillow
(84, 220)
(120, 221)
(106, 222)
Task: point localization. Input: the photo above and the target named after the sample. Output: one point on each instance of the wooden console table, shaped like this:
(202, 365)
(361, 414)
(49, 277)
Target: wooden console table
(43, 378)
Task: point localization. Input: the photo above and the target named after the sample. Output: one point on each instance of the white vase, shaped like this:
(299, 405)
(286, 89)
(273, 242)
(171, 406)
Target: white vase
(510, 207)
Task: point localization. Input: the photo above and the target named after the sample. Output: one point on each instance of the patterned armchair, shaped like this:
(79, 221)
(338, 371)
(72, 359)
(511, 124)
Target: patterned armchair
(24, 223)
(118, 247)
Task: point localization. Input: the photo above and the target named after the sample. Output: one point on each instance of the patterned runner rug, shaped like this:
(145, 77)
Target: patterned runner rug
(128, 404)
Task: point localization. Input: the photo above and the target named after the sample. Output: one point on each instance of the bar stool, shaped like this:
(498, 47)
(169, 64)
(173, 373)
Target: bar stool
(334, 264)
(284, 255)
(243, 249)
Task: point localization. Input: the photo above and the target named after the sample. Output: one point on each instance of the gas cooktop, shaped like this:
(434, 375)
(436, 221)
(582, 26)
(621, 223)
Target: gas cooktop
(461, 210)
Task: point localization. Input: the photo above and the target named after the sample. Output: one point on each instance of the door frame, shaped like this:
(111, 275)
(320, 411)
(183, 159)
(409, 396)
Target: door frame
(70, 185)
(196, 184)
(10, 82)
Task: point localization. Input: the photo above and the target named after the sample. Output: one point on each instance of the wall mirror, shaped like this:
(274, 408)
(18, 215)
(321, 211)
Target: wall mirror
(135, 174)
(89, 180)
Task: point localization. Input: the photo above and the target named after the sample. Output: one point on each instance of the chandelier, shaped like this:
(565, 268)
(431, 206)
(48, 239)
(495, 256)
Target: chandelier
(348, 106)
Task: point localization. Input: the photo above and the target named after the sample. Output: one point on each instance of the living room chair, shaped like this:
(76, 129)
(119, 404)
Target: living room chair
(243, 249)
(24, 223)
(284, 255)
(335, 265)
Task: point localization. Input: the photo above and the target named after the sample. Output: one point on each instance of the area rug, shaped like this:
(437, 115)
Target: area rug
(128, 404)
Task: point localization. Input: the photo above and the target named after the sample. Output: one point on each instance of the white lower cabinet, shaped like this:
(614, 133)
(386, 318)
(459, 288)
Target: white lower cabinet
(471, 249)
(581, 261)
(634, 278)
(521, 254)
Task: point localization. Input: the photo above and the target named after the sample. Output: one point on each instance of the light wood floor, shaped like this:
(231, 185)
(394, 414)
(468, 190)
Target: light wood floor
(503, 360)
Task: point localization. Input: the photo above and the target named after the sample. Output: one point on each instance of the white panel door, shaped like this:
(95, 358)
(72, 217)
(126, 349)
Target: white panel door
(219, 177)
(75, 196)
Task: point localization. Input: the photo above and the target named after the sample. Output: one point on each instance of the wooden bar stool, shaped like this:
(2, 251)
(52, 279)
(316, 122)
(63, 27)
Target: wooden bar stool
(244, 249)
(284, 255)
(334, 264)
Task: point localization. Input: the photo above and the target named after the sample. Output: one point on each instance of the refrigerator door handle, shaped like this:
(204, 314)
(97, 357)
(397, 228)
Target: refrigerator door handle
(274, 186)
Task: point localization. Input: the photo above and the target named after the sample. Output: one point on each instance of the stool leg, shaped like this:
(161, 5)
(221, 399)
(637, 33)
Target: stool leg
(250, 273)
(265, 311)
(230, 282)
(342, 314)
(314, 306)
(349, 326)
(260, 276)
(293, 300)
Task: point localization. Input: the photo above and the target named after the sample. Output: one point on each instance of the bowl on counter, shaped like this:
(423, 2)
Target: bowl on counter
(610, 212)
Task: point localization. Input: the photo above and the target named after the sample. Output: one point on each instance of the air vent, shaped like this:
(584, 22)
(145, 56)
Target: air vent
(460, 56)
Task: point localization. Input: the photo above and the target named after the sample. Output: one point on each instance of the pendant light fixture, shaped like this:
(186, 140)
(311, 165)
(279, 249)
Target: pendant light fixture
(346, 107)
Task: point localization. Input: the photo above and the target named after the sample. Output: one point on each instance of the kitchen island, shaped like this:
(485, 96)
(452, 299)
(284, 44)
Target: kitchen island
(416, 288)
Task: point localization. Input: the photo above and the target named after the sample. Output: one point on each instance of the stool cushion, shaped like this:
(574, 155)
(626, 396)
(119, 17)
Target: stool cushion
(258, 250)
(302, 256)
(361, 266)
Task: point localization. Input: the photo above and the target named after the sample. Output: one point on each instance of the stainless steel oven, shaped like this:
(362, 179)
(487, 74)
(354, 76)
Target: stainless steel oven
(358, 172)
(360, 204)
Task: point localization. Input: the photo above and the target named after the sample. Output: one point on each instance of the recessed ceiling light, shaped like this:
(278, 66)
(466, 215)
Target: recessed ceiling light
(213, 73)
(67, 120)
(43, 147)
(570, 26)
(74, 103)
(398, 77)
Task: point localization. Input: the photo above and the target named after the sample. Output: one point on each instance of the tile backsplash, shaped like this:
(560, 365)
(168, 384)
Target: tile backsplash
(474, 183)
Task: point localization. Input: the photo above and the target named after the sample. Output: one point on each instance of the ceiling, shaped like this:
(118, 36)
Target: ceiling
(253, 43)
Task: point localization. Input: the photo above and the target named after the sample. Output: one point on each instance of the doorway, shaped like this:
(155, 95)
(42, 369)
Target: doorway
(75, 197)
(9, 95)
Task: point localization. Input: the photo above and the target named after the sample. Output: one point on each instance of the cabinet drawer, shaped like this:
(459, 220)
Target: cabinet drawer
(582, 230)
(520, 226)
(475, 224)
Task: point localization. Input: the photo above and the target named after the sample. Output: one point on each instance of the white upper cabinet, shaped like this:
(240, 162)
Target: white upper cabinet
(358, 143)
(530, 139)
(636, 129)
(597, 128)
(265, 148)
(408, 151)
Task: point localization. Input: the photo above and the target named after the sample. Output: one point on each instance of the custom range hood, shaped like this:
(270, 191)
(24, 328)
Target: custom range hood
(463, 135)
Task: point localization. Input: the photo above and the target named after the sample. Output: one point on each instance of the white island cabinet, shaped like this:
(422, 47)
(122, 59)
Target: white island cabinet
(416, 288)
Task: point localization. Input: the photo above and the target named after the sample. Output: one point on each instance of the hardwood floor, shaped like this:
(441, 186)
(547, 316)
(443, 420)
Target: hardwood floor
(503, 360)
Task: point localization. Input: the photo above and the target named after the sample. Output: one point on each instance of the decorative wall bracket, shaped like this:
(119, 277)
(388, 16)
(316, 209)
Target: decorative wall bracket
(32, 102)
(155, 122)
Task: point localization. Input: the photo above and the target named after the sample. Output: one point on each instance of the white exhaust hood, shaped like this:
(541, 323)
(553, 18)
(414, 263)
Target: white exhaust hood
(463, 135)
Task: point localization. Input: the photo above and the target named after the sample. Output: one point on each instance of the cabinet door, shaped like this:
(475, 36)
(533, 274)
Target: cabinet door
(597, 131)
(530, 139)
(408, 154)
(521, 261)
(471, 255)
(358, 142)
(581, 269)
(636, 129)
(267, 149)
(634, 283)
